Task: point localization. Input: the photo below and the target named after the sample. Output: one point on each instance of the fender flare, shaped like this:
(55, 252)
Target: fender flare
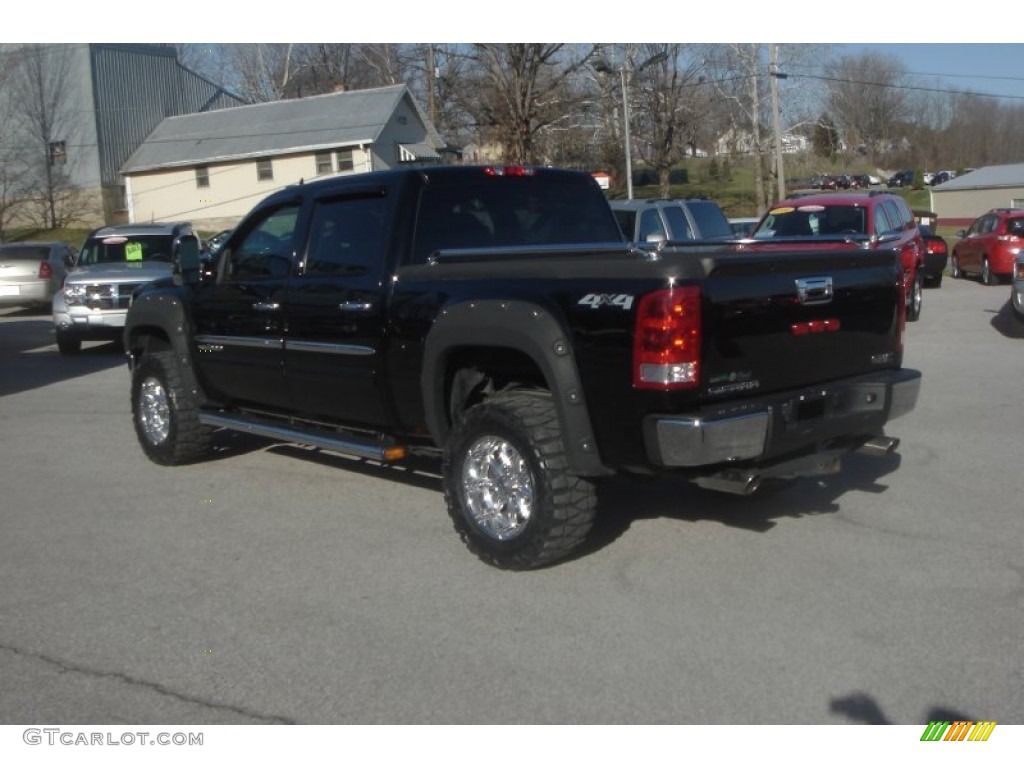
(526, 328)
(164, 309)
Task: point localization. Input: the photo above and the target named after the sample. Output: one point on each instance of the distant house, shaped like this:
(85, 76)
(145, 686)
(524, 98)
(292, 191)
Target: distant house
(105, 99)
(212, 168)
(741, 142)
(960, 201)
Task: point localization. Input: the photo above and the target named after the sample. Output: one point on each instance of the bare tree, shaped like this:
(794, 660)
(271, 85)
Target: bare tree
(866, 100)
(47, 116)
(437, 75)
(517, 90)
(738, 72)
(671, 106)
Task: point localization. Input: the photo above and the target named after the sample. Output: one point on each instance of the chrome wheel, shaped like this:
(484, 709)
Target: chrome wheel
(154, 411)
(986, 273)
(497, 487)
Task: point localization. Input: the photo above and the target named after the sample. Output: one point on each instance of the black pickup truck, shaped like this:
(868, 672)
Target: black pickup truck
(494, 317)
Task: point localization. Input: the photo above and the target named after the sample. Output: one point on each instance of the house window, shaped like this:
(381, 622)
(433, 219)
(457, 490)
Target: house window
(202, 176)
(324, 163)
(346, 160)
(264, 170)
(58, 153)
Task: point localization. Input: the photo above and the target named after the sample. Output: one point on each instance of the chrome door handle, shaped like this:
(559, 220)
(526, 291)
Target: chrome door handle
(266, 306)
(355, 306)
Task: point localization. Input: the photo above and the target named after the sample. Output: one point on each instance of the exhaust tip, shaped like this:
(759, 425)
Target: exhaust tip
(739, 483)
(880, 446)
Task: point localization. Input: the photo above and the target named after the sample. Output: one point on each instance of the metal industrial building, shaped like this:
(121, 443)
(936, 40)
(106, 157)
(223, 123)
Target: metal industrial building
(107, 99)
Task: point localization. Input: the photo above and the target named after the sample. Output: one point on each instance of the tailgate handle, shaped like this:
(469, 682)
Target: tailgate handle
(814, 290)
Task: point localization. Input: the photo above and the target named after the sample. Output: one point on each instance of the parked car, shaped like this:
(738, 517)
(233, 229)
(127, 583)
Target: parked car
(31, 273)
(1017, 292)
(114, 261)
(851, 220)
(656, 220)
(860, 181)
(901, 179)
(990, 245)
(942, 177)
(743, 226)
(936, 250)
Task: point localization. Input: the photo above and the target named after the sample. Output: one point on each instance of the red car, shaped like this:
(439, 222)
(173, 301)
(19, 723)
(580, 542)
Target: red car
(850, 220)
(990, 246)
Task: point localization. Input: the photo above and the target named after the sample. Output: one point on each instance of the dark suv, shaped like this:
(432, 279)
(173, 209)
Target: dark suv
(989, 247)
(655, 220)
(901, 179)
(850, 220)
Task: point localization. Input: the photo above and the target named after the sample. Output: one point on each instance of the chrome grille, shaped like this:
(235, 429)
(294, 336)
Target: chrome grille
(110, 295)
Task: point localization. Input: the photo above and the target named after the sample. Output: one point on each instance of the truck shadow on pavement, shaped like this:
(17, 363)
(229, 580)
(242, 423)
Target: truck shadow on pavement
(624, 500)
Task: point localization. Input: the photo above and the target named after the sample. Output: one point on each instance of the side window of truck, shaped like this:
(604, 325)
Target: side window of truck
(266, 250)
(651, 227)
(346, 236)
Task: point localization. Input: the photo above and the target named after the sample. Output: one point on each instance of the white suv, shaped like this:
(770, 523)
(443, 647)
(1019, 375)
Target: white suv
(655, 220)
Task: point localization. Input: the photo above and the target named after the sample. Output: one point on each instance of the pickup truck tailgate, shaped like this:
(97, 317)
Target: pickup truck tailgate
(772, 324)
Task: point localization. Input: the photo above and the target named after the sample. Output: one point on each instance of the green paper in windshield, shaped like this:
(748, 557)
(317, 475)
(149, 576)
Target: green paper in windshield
(133, 251)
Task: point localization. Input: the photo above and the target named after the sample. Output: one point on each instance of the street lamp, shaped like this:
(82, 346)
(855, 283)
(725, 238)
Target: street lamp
(602, 66)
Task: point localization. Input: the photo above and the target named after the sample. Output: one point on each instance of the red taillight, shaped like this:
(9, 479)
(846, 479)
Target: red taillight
(508, 170)
(666, 341)
(45, 271)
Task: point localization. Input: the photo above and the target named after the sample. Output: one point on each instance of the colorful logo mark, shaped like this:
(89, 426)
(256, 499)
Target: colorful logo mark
(958, 730)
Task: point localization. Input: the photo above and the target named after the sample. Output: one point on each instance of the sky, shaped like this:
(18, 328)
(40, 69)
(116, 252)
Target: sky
(986, 58)
(983, 68)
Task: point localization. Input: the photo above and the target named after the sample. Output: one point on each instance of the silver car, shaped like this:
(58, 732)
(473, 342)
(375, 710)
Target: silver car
(114, 261)
(32, 273)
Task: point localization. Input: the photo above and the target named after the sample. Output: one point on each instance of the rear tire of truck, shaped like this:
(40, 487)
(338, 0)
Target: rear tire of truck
(916, 298)
(165, 415)
(510, 494)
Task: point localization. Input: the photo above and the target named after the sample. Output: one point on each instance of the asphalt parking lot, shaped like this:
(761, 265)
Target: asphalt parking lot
(274, 584)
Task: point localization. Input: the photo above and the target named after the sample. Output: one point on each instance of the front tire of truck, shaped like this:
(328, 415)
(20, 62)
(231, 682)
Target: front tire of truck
(165, 415)
(510, 494)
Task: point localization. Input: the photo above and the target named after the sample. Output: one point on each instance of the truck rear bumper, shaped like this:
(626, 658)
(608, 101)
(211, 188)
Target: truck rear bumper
(755, 431)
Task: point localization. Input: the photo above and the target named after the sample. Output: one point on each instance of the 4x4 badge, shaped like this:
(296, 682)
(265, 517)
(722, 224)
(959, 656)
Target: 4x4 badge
(814, 290)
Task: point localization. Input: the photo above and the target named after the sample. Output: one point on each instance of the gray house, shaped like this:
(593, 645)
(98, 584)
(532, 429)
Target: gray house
(106, 99)
(211, 168)
(960, 201)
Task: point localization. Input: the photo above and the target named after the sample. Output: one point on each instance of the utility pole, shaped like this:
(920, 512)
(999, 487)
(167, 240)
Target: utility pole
(431, 75)
(773, 70)
(602, 66)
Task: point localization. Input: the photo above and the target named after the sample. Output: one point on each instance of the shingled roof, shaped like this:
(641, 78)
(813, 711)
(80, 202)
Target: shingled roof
(293, 125)
(986, 178)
